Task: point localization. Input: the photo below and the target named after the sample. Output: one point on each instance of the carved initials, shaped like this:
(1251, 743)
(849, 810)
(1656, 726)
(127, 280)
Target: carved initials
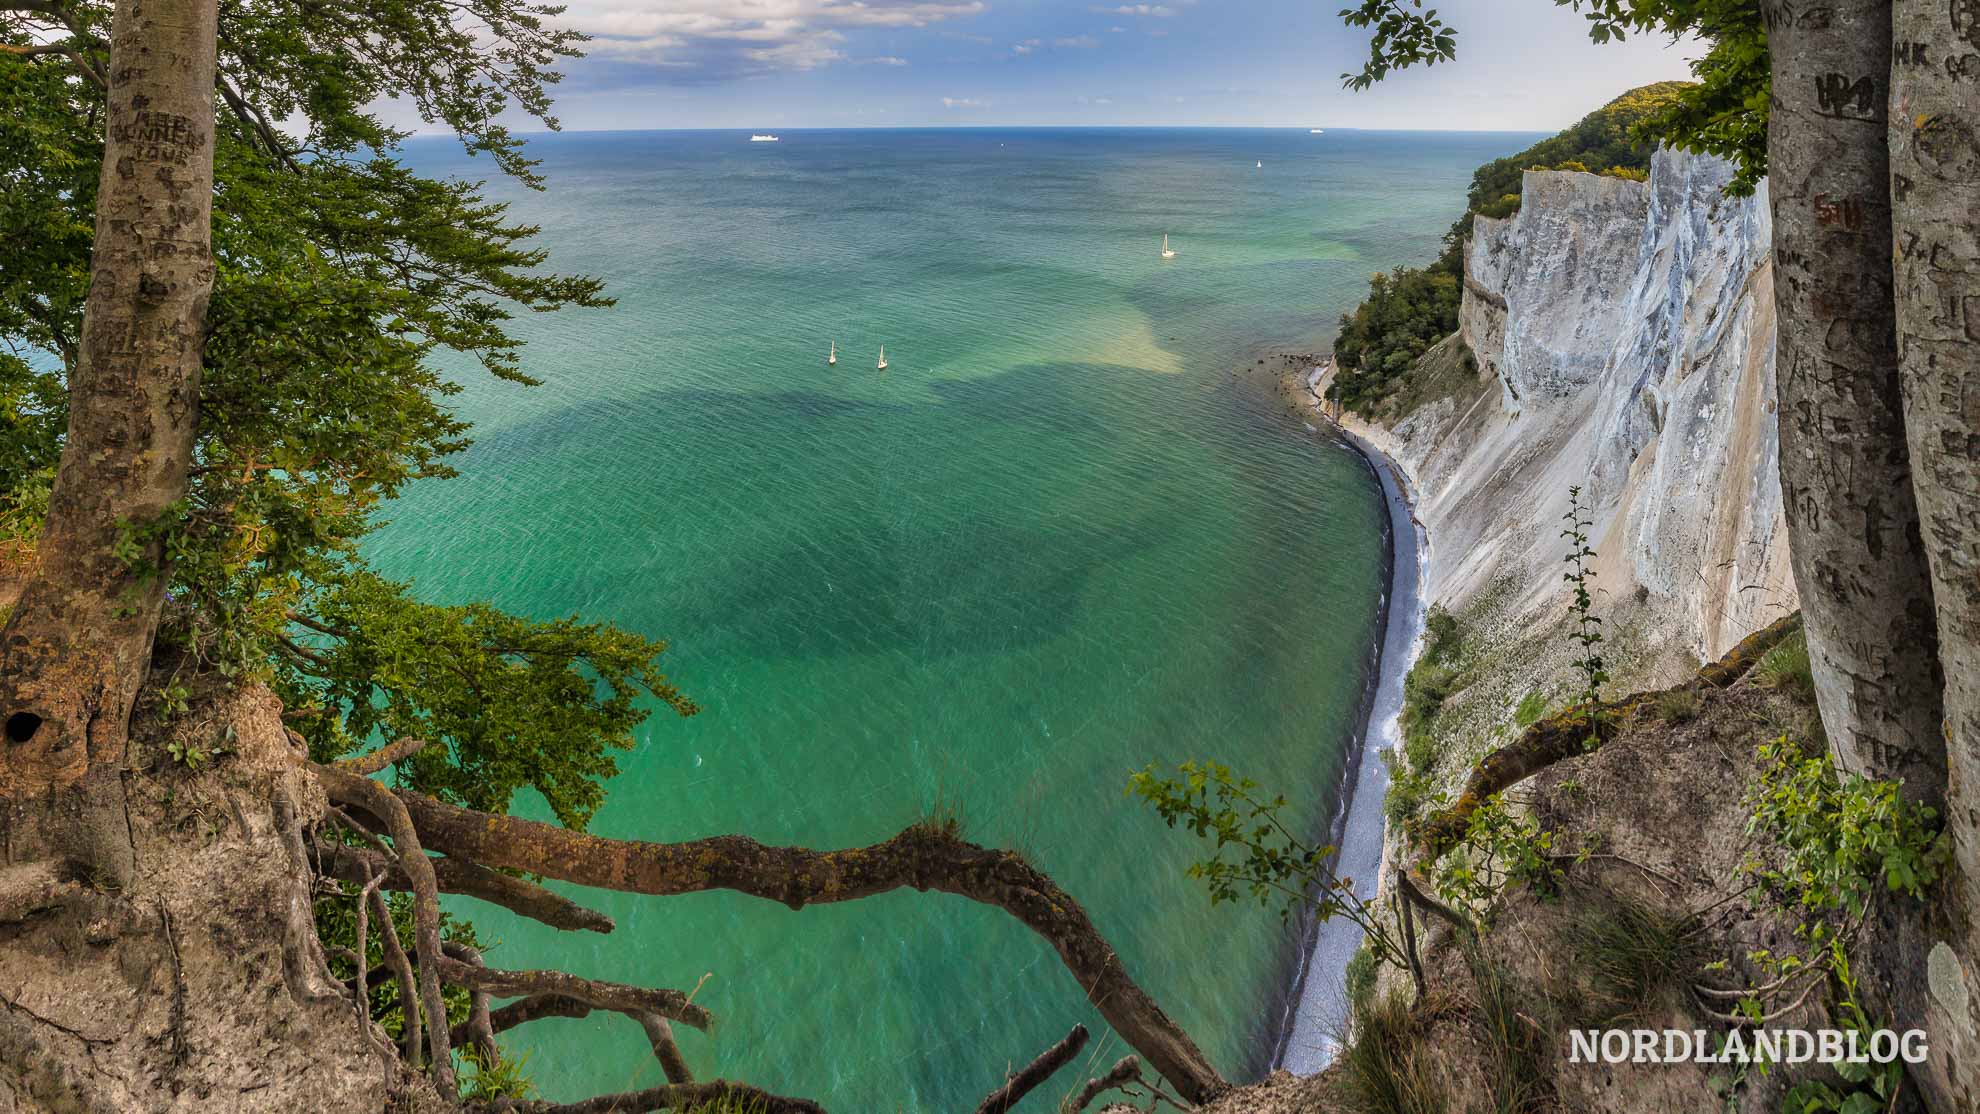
(1851, 98)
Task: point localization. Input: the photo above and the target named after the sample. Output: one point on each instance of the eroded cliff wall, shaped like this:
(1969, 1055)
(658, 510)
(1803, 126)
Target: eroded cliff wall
(1623, 336)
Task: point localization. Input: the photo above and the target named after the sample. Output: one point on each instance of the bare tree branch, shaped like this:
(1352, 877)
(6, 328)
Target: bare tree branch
(674, 1096)
(1027, 1078)
(371, 762)
(409, 986)
(1125, 1071)
(923, 857)
(459, 876)
(670, 1004)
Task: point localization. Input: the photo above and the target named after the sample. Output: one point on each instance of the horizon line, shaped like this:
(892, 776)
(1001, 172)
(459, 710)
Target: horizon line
(1004, 127)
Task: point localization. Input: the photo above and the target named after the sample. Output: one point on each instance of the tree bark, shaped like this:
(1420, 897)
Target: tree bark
(1934, 143)
(1845, 469)
(79, 641)
(1033, 1075)
(922, 858)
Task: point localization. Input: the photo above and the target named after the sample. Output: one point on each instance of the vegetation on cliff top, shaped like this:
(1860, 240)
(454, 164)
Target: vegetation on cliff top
(1411, 308)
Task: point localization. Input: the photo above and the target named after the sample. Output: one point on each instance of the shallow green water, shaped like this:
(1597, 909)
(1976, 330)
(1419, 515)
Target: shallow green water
(1067, 533)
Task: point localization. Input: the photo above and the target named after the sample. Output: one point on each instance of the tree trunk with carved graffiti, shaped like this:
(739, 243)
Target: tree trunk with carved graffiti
(79, 642)
(1845, 467)
(1934, 141)
(1852, 521)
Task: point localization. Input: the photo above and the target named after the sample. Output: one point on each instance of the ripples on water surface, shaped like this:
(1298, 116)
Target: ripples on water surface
(1059, 539)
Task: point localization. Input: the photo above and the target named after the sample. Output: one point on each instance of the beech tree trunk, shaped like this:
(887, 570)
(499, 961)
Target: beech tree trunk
(79, 641)
(1934, 142)
(1852, 523)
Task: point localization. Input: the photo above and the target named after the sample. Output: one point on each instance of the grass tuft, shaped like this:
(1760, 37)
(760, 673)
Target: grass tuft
(1679, 705)
(1786, 667)
(1634, 954)
(1385, 1066)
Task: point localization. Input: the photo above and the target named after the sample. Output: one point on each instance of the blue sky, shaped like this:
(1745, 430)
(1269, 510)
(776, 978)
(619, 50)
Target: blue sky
(1523, 65)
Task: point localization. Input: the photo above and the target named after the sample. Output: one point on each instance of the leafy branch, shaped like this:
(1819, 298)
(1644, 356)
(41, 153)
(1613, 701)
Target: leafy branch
(1255, 853)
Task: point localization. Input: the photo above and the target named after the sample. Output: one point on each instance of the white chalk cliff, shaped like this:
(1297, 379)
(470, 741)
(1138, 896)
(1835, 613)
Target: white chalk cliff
(1624, 339)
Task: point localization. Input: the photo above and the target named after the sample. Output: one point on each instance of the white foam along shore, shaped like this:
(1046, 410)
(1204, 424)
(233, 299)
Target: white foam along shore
(1318, 1007)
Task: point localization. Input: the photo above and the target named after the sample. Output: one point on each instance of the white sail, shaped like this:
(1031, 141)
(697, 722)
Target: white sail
(883, 358)
(1166, 252)
(833, 356)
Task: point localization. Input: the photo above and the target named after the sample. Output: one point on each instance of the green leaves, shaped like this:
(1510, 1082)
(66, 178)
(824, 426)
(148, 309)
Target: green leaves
(1587, 632)
(1499, 848)
(504, 702)
(1253, 853)
(340, 276)
(1841, 833)
(1404, 37)
(1724, 113)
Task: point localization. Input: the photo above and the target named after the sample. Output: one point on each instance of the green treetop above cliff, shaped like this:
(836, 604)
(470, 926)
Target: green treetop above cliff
(1411, 308)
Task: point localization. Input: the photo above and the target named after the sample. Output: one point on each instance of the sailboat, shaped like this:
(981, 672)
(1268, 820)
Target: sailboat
(1261, 166)
(883, 358)
(1167, 253)
(832, 359)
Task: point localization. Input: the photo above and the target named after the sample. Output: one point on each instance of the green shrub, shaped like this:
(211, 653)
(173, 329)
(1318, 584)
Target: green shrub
(1443, 635)
(1360, 980)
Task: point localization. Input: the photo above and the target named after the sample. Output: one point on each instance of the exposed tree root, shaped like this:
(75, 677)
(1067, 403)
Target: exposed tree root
(459, 876)
(30, 888)
(522, 1011)
(362, 792)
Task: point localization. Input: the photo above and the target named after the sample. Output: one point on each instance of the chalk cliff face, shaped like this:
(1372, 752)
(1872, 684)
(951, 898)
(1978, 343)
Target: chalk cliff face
(1624, 342)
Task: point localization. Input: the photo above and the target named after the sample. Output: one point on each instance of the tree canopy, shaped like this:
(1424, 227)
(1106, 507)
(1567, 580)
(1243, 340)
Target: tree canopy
(1723, 112)
(341, 273)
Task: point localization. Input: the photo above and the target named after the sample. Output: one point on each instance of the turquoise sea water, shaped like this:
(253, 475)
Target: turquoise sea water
(1068, 533)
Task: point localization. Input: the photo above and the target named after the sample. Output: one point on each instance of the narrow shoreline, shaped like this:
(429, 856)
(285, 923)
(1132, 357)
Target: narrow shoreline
(1315, 1008)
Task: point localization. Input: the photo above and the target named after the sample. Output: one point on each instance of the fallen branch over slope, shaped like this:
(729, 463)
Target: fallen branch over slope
(1567, 735)
(923, 858)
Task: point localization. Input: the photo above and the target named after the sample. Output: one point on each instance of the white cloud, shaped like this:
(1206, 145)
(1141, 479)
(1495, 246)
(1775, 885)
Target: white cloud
(883, 60)
(1077, 42)
(710, 40)
(1027, 46)
(964, 102)
(1158, 11)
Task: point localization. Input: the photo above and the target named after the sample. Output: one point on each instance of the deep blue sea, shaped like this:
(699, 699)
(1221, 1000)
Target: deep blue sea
(1069, 531)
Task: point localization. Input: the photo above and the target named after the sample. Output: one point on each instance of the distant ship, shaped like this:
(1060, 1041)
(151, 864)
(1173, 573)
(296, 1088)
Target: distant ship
(883, 358)
(1261, 166)
(1167, 253)
(1318, 131)
(832, 359)
(764, 139)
